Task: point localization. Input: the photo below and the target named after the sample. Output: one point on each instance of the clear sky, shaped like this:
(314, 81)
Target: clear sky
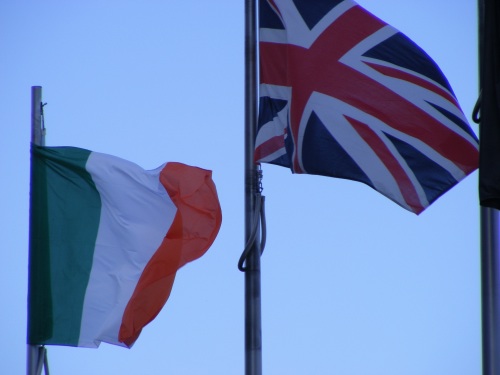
(352, 284)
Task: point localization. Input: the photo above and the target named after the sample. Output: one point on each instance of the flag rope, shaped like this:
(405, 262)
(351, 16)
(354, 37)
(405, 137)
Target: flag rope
(476, 112)
(43, 361)
(259, 216)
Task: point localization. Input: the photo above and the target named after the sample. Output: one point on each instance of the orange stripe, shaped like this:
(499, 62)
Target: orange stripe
(192, 232)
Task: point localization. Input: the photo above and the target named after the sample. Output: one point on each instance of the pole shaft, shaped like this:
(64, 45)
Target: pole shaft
(253, 337)
(490, 287)
(37, 138)
(37, 134)
(490, 256)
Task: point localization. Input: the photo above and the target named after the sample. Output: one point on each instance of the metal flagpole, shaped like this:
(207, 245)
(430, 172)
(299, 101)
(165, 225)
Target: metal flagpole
(490, 285)
(37, 132)
(36, 354)
(253, 338)
(488, 109)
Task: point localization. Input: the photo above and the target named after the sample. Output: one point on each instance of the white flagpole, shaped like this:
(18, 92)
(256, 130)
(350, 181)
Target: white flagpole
(35, 353)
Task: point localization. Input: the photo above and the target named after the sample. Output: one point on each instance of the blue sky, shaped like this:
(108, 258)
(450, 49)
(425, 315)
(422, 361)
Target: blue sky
(352, 284)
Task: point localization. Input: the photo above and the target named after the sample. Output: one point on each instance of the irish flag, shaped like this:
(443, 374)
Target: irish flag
(106, 240)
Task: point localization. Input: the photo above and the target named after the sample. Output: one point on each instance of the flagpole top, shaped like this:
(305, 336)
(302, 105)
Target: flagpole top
(37, 127)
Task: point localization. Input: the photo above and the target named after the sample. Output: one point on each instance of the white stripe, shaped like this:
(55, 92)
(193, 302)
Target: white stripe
(271, 157)
(331, 111)
(274, 128)
(136, 214)
(275, 91)
(272, 35)
(415, 94)
(297, 31)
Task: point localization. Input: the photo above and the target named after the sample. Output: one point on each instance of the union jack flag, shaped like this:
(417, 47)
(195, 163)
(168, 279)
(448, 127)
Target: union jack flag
(343, 94)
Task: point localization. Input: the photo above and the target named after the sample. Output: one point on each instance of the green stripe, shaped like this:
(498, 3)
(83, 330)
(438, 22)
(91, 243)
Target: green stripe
(64, 219)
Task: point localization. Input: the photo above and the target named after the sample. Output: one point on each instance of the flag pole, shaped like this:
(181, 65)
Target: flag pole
(253, 338)
(36, 354)
(490, 287)
(488, 108)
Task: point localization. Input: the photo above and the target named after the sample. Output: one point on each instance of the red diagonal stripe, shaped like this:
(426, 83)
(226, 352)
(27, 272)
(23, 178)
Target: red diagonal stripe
(317, 69)
(396, 73)
(406, 187)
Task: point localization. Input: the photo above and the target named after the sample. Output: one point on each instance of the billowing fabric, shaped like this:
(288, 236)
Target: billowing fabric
(343, 94)
(106, 240)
